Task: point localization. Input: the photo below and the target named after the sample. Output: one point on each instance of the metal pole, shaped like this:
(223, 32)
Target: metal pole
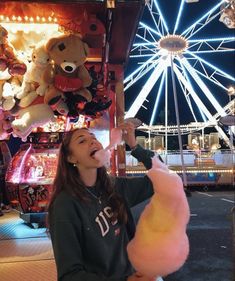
(178, 124)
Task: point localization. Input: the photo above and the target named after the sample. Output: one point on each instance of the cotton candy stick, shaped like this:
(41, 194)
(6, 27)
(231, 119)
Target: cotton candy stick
(160, 245)
(103, 155)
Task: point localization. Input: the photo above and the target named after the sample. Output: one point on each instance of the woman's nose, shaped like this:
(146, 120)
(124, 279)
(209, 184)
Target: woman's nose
(92, 141)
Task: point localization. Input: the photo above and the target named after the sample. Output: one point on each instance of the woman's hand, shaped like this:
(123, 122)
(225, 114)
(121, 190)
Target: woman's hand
(139, 277)
(128, 133)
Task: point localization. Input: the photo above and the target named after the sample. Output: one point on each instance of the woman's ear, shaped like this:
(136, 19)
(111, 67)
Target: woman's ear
(71, 159)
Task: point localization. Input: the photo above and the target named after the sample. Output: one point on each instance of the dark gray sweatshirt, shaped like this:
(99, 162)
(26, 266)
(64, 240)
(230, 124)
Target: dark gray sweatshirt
(87, 245)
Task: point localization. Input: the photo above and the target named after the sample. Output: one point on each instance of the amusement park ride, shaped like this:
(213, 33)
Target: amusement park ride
(33, 33)
(178, 64)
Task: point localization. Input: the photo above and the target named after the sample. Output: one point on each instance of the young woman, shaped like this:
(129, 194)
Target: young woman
(90, 222)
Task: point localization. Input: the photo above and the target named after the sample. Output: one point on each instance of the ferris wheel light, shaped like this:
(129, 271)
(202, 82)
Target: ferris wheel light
(231, 90)
(191, 1)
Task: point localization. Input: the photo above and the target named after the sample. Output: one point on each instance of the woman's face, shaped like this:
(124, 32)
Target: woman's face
(83, 146)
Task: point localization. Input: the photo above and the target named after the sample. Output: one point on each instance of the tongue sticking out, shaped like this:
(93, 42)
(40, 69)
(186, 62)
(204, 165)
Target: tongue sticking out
(103, 155)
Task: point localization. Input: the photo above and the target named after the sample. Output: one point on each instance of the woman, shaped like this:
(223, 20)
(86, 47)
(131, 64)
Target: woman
(89, 214)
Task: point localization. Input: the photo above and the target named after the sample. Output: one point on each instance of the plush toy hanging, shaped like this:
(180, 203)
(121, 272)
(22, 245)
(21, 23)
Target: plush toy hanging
(8, 58)
(68, 76)
(11, 68)
(34, 78)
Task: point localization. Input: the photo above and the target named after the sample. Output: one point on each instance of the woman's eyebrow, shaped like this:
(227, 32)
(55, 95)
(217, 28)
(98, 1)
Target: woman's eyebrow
(80, 136)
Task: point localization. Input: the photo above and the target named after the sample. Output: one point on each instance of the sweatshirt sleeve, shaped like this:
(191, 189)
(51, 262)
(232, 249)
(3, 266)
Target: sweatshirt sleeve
(137, 189)
(67, 246)
(143, 155)
(134, 189)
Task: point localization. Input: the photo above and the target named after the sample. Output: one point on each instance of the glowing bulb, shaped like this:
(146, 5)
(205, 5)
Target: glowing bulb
(31, 19)
(50, 19)
(13, 18)
(43, 19)
(19, 18)
(37, 18)
(26, 18)
(231, 90)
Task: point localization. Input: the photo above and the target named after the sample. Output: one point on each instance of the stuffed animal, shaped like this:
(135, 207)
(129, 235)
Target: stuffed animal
(100, 101)
(68, 74)
(11, 68)
(5, 125)
(34, 77)
(160, 245)
(9, 87)
(34, 115)
(8, 58)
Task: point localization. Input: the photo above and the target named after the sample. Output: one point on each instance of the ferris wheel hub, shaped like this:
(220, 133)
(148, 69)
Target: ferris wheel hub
(174, 44)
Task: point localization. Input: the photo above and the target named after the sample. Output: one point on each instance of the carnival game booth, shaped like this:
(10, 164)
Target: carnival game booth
(62, 64)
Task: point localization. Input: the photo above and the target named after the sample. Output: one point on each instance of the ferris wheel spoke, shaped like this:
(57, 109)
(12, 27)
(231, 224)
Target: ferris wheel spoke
(150, 29)
(159, 93)
(203, 86)
(202, 21)
(213, 51)
(157, 21)
(200, 104)
(212, 79)
(140, 68)
(224, 39)
(204, 73)
(187, 97)
(218, 70)
(146, 89)
(193, 93)
(191, 84)
(147, 41)
(211, 45)
(139, 76)
(179, 16)
(155, 2)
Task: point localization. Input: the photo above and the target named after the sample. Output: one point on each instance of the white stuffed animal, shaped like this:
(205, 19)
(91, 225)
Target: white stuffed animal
(9, 87)
(31, 117)
(160, 245)
(34, 77)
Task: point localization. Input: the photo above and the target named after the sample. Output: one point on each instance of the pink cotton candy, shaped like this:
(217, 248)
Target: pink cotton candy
(160, 245)
(103, 155)
(115, 138)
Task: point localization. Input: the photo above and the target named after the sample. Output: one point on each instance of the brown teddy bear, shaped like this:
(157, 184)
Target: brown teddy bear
(67, 75)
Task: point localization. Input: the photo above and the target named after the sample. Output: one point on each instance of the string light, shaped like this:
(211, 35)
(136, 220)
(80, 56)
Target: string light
(26, 18)
(228, 171)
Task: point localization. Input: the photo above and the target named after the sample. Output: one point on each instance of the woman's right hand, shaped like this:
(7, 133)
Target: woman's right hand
(139, 277)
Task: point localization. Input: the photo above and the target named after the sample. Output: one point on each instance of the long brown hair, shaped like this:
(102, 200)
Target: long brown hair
(68, 179)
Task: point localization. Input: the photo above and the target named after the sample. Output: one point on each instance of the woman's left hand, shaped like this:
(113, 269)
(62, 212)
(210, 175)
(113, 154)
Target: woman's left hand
(128, 133)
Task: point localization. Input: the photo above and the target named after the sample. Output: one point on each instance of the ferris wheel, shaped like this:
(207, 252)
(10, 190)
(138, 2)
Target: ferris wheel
(187, 56)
